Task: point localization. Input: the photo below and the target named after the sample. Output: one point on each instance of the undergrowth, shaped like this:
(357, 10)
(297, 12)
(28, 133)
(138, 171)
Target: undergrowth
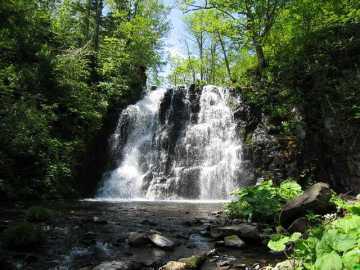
(262, 202)
(332, 244)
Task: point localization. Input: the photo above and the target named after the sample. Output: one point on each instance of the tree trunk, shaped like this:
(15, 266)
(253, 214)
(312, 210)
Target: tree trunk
(201, 53)
(213, 59)
(227, 64)
(87, 20)
(260, 56)
(99, 7)
(190, 62)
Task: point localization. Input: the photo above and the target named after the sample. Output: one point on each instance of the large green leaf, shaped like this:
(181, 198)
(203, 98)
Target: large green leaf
(323, 247)
(278, 243)
(348, 224)
(351, 258)
(343, 242)
(330, 261)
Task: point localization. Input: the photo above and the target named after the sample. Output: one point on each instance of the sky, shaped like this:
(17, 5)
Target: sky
(175, 38)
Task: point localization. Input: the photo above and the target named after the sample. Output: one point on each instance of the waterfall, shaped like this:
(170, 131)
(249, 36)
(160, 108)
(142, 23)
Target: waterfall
(176, 144)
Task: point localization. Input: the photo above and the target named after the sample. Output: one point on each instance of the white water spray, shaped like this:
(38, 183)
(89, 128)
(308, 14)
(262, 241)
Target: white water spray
(207, 160)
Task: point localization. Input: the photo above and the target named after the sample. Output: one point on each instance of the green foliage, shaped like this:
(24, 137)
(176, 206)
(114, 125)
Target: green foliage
(262, 202)
(63, 66)
(334, 245)
(22, 236)
(38, 214)
(352, 207)
(278, 242)
(289, 189)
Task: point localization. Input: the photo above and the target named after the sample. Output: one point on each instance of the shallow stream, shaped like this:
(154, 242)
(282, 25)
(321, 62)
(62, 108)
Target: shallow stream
(86, 233)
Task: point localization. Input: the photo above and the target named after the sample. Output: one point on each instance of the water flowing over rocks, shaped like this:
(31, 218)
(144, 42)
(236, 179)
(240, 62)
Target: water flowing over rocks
(177, 144)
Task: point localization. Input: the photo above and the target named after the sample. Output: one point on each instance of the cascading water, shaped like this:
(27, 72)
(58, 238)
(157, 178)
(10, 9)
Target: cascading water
(176, 144)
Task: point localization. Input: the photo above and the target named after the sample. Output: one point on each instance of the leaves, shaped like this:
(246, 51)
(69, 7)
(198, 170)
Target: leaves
(264, 201)
(56, 87)
(330, 261)
(278, 242)
(289, 189)
(351, 258)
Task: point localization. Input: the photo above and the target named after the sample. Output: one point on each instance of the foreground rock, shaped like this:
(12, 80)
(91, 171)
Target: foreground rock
(243, 230)
(190, 263)
(161, 241)
(173, 265)
(193, 262)
(316, 199)
(299, 225)
(233, 241)
(138, 239)
(118, 265)
(285, 265)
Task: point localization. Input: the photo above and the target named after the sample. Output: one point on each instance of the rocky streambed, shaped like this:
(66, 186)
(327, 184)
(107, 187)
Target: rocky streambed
(135, 235)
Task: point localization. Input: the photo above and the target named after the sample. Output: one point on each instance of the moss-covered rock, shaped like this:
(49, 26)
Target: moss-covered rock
(193, 262)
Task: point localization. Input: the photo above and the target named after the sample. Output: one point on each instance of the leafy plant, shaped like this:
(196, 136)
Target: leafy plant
(350, 207)
(278, 242)
(263, 201)
(335, 245)
(289, 189)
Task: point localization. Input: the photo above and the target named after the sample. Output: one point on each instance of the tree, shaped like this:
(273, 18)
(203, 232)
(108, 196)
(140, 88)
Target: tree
(253, 18)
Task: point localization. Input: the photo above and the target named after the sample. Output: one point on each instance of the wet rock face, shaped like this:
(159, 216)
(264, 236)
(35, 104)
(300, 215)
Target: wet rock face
(194, 98)
(266, 153)
(332, 146)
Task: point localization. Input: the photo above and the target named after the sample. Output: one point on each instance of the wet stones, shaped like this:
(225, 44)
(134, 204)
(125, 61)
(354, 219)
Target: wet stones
(190, 263)
(174, 265)
(138, 239)
(161, 241)
(233, 241)
(243, 230)
(118, 265)
(99, 221)
(193, 262)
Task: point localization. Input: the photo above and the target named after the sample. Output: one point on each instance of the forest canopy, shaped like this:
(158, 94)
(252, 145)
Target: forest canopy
(63, 64)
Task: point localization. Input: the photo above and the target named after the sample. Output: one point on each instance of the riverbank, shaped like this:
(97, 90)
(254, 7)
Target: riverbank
(83, 234)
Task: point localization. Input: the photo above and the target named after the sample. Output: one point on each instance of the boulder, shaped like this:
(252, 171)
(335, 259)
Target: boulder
(193, 262)
(299, 225)
(118, 265)
(161, 241)
(243, 230)
(315, 199)
(172, 265)
(286, 265)
(138, 239)
(233, 241)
